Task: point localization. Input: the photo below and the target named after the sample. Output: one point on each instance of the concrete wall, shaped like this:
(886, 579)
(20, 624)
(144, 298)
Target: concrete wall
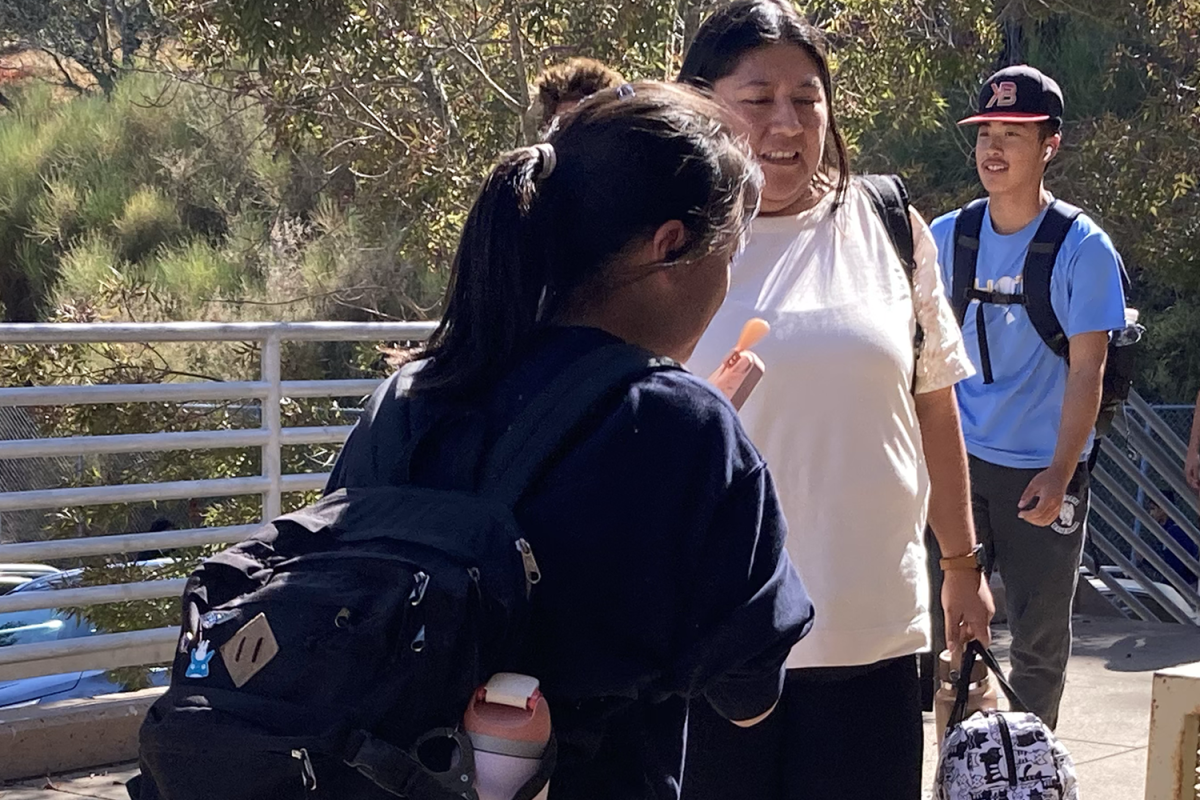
(72, 734)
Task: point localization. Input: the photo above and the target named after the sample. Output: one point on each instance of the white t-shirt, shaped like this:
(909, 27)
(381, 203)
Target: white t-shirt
(835, 418)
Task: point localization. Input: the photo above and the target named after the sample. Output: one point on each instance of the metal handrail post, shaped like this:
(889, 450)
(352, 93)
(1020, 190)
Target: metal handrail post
(272, 457)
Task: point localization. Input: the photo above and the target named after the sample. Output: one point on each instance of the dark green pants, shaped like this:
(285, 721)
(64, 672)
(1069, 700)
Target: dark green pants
(1040, 569)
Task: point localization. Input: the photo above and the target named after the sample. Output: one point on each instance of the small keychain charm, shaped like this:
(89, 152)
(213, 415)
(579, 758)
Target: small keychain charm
(198, 668)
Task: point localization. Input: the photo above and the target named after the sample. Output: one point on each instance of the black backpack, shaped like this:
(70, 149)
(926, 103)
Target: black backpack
(333, 654)
(1121, 366)
(889, 196)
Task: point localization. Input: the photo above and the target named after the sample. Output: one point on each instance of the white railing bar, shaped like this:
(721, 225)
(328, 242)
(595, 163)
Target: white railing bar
(40, 499)
(92, 595)
(84, 646)
(131, 443)
(131, 393)
(271, 364)
(1119, 591)
(346, 388)
(1141, 548)
(1174, 444)
(1109, 549)
(54, 549)
(1146, 484)
(304, 482)
(179, 392)
(158, 442)
(324, 434)
(133, 493)
(100, 332)
(1149, 524)
(1169, 470)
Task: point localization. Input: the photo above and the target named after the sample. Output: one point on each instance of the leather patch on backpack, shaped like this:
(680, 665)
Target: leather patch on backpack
(250, 649)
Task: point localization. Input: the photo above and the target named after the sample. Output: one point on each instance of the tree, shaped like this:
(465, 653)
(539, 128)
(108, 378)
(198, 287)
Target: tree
(101, 36)
(414, 98)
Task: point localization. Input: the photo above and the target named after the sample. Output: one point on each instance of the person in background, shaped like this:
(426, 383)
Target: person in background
(1191, 469)
(864, 443)
(1029, 414)
(562, 87)
(1176, 532)
(659, 538)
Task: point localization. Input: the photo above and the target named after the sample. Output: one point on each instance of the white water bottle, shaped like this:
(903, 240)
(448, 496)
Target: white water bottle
(508, 722)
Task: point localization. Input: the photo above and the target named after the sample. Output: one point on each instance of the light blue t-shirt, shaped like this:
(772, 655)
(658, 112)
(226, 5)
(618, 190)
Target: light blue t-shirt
(1014, 421)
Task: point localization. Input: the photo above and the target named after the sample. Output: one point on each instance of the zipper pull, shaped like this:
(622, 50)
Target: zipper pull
(420, 584)
(307, 774)
(533, 575)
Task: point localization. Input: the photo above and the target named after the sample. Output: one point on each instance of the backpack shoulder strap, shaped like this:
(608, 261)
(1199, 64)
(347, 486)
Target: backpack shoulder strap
(1039, 266)
(890, 198)
(543, 429)
(966, 255)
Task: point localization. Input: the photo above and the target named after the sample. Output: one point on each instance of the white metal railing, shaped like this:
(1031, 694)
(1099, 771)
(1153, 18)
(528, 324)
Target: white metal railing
(1141, 455)
(140, 647)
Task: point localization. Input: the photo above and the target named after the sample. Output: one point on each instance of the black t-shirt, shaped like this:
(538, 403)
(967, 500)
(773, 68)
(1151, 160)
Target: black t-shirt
(661, 547)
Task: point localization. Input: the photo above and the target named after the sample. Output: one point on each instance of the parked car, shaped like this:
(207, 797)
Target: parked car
(53, 625)
(14, 575)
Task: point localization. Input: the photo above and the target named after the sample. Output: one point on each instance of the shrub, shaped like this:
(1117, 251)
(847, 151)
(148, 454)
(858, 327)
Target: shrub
(149, 221)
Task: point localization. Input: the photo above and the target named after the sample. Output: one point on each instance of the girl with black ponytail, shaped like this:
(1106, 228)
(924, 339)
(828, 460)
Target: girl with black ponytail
(658, 534)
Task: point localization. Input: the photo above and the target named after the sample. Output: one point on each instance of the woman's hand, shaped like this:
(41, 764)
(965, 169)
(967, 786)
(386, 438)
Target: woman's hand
(967, 601)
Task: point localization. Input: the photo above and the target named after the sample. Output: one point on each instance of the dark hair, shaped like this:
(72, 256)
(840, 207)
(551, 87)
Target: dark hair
(1049, 128)
(551, 217)
(746, 25)
(572, 80)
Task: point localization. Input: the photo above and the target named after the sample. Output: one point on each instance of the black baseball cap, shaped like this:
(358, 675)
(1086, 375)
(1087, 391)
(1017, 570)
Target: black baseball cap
(1018, 94)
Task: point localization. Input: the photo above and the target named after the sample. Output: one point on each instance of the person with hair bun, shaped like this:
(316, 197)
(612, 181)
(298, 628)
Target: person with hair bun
(659, 539)
(562, 87)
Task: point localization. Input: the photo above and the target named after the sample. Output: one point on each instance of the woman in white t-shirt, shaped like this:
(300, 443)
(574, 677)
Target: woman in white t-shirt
(861, 448)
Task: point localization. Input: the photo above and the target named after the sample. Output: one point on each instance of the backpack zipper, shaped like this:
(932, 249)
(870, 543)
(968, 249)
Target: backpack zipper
(307, 774)
(533, 575)
(1009, 755)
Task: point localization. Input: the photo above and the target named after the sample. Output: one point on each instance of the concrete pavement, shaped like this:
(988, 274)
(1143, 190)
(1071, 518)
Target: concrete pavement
(1105, 717)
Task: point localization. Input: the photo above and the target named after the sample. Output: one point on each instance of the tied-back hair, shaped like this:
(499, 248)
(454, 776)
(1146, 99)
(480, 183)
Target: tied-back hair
(572, 81)
(746, 25)
(551, 218)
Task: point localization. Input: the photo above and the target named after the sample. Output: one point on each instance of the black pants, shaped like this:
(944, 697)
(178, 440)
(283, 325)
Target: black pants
(1040, 568)
(837, 734)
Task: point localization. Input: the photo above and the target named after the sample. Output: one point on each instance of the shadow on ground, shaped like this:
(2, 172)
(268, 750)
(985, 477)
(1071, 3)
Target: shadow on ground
(1136, 647)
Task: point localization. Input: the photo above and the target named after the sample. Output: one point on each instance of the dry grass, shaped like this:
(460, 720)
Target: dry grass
(19, 66)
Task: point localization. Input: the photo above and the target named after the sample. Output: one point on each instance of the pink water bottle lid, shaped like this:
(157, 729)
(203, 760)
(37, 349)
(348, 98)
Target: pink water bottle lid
(509, 716)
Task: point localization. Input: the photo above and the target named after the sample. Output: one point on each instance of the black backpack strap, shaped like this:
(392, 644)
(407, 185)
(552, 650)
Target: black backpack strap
(974, 650)
(890, 197)
(540, 433)
(966, 256)
(1039, 266)
(401, 773)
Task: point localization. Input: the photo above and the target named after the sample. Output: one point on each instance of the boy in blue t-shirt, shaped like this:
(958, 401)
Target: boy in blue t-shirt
(1028, 415)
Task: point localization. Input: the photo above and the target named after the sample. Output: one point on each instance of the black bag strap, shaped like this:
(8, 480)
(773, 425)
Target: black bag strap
(974, 650)
(401, 774)
(541, 432)
(1039, 267)
(966, 255)
(889, 196)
